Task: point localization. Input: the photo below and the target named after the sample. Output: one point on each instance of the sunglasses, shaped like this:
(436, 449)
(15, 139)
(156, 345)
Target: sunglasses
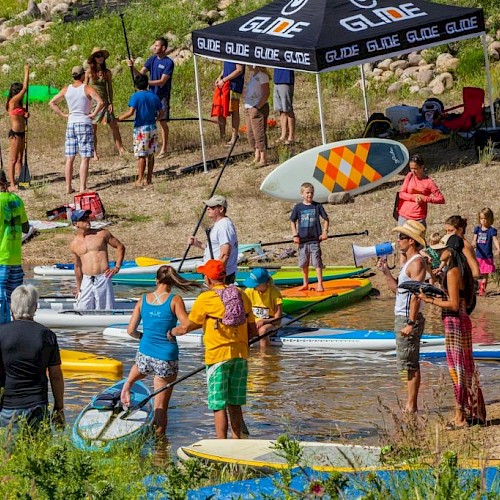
(98, 54)
(403, 237)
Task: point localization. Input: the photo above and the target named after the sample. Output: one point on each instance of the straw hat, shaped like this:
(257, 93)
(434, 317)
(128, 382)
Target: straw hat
(95, 50)
(415, 230)
(450, 241)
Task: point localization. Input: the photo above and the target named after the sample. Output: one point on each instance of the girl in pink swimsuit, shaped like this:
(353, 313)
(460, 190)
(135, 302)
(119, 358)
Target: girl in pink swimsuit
(17, 132)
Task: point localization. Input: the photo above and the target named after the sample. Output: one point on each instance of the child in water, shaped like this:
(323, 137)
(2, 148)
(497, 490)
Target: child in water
(266, 301)
(485, 236)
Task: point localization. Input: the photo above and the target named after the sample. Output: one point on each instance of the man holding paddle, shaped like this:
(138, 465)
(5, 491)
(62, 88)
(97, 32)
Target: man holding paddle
(226, 341)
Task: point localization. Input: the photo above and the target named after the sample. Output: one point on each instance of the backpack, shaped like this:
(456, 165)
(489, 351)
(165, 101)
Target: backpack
(91, 201)
(432, 109)
(378, 125)
(234, 309)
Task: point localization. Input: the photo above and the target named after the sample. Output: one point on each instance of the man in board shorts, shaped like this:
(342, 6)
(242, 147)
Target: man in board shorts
(94, 288)
(161, 70)
(226, 350)
(79, 132)
(284, 82)
(147, 108)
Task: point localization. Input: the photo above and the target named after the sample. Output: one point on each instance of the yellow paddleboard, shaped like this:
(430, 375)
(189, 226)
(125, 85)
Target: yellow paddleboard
(87, 362)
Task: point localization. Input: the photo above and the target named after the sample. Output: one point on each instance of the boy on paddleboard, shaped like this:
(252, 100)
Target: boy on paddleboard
(307, 234)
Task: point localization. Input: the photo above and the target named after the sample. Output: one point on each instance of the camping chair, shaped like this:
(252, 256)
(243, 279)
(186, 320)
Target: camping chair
(464, 126)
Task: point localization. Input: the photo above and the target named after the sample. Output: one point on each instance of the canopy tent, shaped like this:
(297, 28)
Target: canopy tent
(325, 35)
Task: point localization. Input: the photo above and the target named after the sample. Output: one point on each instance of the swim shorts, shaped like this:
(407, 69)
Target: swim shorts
(145, 140)
(408, 347)
(96, 292)
(310, 254)
(165, 106)
(227, 383)
(79, 139)
(159, 367)
(283, 98)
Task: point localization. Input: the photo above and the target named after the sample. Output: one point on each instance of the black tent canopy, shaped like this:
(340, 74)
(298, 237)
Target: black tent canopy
(325, 35)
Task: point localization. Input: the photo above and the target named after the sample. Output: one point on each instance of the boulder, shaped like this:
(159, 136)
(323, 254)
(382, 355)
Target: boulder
(44, 10)
(446, 62)
(425, 76)
(377, 72)
(398, 72)
(367, 67)
(438, 88)
(385, 64)
(386, 76)
(7, 32)
(33, 10)
(425, 92)
(394, 88)
(5, 68)
(414, 58)
(400, 64)
(340, 198)
(59, 9)
(224, 4)
(414, 89)
(4, 59)
(410, 72)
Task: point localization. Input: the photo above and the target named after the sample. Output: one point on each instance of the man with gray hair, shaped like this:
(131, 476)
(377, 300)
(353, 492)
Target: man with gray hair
(79, 132)
(28, 350)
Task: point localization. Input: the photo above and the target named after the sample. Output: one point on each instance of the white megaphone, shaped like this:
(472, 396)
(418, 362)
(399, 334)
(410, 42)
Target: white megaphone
(360, 254)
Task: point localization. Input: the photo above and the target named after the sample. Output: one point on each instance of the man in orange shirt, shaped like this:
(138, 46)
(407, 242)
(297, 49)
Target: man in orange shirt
(226, 347)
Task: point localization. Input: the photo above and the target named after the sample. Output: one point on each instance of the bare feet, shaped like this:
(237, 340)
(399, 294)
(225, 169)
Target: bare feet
(320, 289)
(161, 154)
(303, 288)
(122, 152)
(70, 191)
(13, 188)
(96, 157)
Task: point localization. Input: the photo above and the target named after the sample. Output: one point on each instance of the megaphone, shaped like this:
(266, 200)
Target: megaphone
(360, 254)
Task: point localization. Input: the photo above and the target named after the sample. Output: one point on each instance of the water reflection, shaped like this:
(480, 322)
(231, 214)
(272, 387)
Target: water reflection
(317, 394)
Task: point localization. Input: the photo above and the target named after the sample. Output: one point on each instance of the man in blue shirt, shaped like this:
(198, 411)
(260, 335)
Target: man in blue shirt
(284, 81)
(161, 69)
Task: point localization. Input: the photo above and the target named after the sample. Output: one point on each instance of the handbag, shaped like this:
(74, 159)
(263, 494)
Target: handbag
(395, 210)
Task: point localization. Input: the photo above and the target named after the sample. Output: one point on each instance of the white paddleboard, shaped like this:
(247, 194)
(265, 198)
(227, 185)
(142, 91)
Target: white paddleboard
(260, 453)
(355, 166)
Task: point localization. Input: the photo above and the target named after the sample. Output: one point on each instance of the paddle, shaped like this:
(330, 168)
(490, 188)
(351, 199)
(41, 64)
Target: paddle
(142, 403)
(128, 48)
(342, 235)
(150, 261)
(176, 120)
(25, 176)
(226, 161)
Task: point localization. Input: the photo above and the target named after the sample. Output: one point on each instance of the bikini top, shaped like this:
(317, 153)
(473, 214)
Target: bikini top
(17, 112)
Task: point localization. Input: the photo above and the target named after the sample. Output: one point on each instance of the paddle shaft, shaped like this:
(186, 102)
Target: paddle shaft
(226, 161)
(139, 405)
(24, 176)
(342, 235)
(124, 29)
(175, 120)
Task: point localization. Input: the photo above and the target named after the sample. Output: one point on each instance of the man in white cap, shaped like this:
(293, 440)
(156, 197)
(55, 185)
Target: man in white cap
(409, 322)
(79, 131)
(222, 241)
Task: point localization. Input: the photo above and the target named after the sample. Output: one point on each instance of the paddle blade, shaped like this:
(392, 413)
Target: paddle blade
(149, 261)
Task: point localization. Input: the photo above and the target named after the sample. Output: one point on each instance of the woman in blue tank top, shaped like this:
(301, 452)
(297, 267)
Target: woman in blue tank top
(159, 311)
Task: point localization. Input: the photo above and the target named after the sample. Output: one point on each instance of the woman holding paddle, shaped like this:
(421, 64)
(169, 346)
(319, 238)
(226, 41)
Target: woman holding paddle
(158, 352)
(100, 78)
(17, 132)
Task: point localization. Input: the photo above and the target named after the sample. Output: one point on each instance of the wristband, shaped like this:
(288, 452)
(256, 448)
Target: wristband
(410, 322)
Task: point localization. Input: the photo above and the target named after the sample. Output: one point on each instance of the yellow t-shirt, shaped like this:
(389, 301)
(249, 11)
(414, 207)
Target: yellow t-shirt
(224, 342)
(264, 304)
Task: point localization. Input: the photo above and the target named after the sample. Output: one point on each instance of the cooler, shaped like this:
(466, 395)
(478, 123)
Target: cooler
(402, 114)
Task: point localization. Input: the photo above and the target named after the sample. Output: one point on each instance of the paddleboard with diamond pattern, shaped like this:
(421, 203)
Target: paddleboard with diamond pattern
(355, 166)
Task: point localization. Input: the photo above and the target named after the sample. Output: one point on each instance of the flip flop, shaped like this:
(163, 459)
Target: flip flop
(452, 426)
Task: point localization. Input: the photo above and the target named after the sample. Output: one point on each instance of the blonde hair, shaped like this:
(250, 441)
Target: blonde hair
(435, 238)
(306, 185)
(167, 275)
(488, 215)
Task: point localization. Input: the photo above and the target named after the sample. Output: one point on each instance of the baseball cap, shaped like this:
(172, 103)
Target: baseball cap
(449, 241)
(78, 215)
(213, 269)
(77, 71)
(215, 201)
(256, 277)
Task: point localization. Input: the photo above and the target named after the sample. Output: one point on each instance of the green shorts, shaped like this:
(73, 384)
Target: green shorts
(227, 383)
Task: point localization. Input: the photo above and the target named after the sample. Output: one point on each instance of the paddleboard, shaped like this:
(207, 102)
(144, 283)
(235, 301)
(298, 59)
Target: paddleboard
(357, 484)
(99, 426)
(259, 453)
(39, 93)
(353, 166)
(480, 351)
(28, 235)
(284, 276)
(88, 362)
(336, 294)
(300, 336)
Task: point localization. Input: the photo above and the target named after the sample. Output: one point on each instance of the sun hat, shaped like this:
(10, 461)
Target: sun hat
(213, 269)
(77, 71)
(96, 50)
(78, 215)
(256, 277)
(415, 230)
(215, 201)
(449, 241)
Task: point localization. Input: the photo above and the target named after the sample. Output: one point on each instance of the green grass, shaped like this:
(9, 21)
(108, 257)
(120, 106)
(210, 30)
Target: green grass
(9, 8)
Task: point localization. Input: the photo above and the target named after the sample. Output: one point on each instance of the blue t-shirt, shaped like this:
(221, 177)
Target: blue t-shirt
(157, 320)
(308, 217)
(284, 76)
(147, 105)
(236, 83)
(484, 242)
(158, 67)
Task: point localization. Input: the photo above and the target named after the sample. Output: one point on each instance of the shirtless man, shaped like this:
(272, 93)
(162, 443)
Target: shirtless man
(94, 288)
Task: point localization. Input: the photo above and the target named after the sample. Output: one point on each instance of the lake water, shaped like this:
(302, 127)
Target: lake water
(314, 394)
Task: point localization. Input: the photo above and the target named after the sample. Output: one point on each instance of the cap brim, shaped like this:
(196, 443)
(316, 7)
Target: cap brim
(438, 246)
(250, 283)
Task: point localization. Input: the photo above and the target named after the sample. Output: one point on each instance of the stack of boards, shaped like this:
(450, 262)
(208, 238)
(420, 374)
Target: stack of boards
(77, 361)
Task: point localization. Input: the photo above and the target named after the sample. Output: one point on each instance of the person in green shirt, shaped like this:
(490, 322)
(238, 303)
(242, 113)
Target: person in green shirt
(13, 222)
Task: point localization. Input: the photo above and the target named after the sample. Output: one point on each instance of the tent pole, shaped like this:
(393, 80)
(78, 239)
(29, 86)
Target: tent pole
(320, 105)
(200, 117)
(365, 98)
(488, 79)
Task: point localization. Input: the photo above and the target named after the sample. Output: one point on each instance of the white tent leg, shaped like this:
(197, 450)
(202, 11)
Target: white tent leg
(488, 79)
(320, 105)
(200, 116)
(365, 98)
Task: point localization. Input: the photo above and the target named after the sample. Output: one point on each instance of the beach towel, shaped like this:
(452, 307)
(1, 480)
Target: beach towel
(220, 101)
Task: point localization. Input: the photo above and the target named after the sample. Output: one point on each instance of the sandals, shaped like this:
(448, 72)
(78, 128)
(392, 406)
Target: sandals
(452, 426)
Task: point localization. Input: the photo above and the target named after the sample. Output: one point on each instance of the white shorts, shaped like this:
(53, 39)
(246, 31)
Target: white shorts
(96, 292)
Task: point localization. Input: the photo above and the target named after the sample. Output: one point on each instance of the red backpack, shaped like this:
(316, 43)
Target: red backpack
(90, 201)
